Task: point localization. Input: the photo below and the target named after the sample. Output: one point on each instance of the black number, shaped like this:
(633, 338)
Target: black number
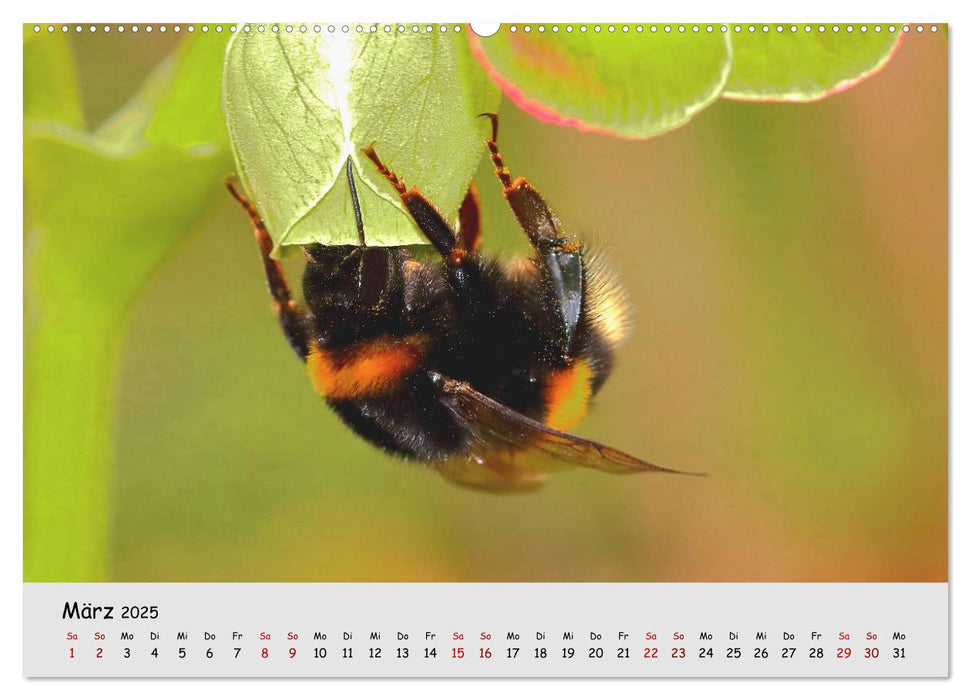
(761, 653)
(816, 653)
(703, 652)
(788, 652)
(734, 653)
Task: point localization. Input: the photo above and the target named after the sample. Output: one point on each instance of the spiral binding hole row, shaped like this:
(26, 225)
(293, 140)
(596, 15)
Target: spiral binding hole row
(428, 28)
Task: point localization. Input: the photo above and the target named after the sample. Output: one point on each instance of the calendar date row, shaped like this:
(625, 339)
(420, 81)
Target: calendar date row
(486, 653)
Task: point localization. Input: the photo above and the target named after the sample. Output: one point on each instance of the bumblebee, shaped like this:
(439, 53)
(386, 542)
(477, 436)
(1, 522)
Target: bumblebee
(474, 367)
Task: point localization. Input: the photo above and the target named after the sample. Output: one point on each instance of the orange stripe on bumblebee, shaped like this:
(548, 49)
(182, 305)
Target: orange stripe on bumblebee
(567, 395)
(368, 368)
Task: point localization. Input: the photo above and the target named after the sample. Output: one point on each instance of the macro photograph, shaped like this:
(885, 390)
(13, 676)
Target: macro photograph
(404, 302)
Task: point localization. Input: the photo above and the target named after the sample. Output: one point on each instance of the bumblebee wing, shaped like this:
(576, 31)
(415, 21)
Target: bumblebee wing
(514, 451)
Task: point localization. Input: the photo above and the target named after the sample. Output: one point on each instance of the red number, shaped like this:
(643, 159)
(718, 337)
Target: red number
(293, 652)
(265, 653)
(844, 653)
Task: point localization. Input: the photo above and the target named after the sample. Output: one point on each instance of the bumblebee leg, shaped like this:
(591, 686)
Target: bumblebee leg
(560, 256)
(535, 217)
(423, 212)
(470, 231)
(289, 316)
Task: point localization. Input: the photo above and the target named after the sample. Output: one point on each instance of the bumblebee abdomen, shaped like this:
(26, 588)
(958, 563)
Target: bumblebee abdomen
(566, 394)
(368, 368)
(410, 422)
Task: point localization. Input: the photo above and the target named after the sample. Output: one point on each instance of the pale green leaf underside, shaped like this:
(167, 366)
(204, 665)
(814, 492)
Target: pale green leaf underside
(634, 84)
(801, 65)
(298, 106)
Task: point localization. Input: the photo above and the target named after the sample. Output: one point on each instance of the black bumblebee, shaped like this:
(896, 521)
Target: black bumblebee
(474, 367)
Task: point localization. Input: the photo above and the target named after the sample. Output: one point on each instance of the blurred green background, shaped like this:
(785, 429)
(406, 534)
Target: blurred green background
(787, 268)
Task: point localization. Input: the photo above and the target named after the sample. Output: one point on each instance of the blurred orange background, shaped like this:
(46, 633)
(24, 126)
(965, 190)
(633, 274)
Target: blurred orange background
(787, 266)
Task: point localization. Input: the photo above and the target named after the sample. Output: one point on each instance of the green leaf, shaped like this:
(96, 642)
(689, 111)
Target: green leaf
(626, 84)
(56, 96)
(104, 209)
(801, 66)
(298, 106)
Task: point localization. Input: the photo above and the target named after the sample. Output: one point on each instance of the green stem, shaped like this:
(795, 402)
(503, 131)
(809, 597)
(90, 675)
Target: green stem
(69, 366)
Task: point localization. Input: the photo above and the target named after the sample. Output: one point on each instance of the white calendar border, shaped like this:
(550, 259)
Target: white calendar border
(488, 10)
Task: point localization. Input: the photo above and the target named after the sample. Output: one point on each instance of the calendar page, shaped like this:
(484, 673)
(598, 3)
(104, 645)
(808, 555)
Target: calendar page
(397, 349)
